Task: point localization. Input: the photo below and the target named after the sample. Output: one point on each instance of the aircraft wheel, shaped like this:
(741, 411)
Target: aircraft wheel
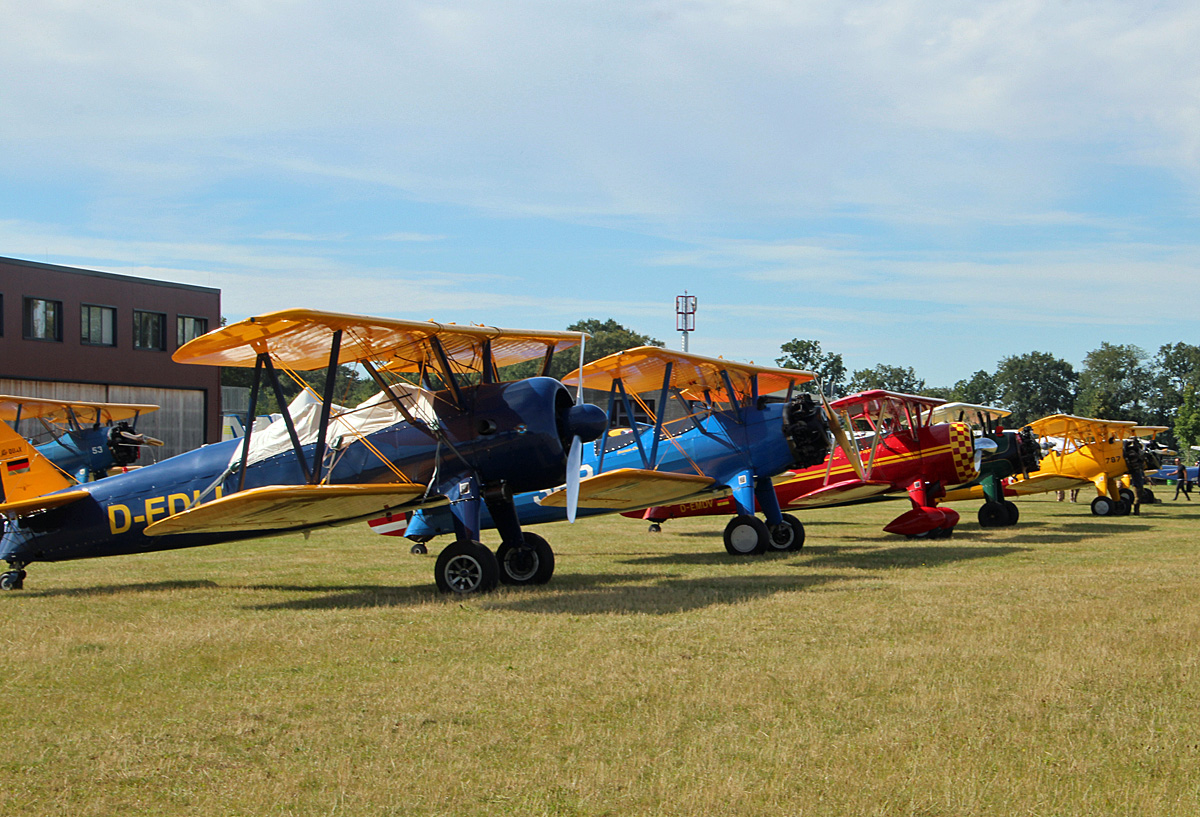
(654, 528)
(12, 580)
(993, 515)
(1148, 497)
(746, 535)
(418, 549)
(1103, 506)
(1121, 508)
(1127, 496)
(466, 567)
(788, 536)
(1014, 513)
(531, 563)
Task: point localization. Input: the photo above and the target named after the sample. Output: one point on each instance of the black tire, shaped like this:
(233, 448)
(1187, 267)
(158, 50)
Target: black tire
(531, 564)
(654, 528)
(12, 580)
(418, 549)
(992, 515)
(1014, 513)
(1148, 497)
(1121, 508)
(746, 535)
(1127, 496)
(466, 567)
(1103, 506)
(787, 537)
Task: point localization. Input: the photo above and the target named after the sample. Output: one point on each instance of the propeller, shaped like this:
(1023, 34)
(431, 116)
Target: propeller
(983, 444)
(128, 438)
(839, 436)
(575, 456)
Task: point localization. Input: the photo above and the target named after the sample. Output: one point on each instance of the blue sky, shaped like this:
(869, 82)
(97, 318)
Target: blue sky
(925, 184)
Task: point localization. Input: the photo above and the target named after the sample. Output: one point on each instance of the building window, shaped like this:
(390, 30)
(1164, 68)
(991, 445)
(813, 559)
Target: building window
(187, 328)
(43, 319)
(98, 325)
(149, 330)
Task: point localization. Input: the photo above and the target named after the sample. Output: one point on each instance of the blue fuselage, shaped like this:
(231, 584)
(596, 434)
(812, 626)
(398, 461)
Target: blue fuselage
(507, 432)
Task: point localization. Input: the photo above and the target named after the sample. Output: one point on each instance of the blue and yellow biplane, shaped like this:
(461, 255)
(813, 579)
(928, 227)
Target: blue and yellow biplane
(445, 430)
(712, 427)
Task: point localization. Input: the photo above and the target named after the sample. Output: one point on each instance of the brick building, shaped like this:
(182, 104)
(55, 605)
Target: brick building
(74, 334)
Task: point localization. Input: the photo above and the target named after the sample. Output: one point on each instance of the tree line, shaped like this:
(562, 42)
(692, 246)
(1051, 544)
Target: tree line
(1116, 382)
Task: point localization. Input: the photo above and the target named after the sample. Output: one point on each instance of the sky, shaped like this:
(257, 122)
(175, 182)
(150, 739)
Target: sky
(929, 184)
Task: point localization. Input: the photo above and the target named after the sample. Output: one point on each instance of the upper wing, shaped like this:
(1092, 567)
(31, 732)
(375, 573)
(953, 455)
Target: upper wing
(292, 507)
(870, 402)
(849, 490)
(302, 339)
(644, 369)
(61, 411)
(962, 412)
(627, 489)
(1086, 429)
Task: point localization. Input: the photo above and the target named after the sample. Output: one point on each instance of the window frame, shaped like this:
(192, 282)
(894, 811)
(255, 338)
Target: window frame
(162, 331)
(27, 319)
(179, 318)
(83, 311)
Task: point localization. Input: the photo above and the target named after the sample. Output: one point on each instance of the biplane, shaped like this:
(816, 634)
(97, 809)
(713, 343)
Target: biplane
(891, 448)
(1078, 451)
(445, 429)
(85, 439)
(1016, 452)
(713, 429)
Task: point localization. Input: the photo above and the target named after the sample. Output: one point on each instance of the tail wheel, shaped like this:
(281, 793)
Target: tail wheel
(789, 535)
(531, 563)
(1103, 506)
(993, 515)
(466, 567)
(746, 535)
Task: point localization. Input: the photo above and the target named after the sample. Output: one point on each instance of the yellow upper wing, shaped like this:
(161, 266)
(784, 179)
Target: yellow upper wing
(302, 339)
(60, 411)
(642, 369)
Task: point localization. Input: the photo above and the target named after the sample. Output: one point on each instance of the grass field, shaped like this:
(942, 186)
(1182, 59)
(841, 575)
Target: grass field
(1048, 669)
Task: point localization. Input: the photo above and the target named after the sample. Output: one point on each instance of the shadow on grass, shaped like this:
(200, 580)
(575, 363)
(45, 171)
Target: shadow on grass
(1097, 527)
(114, 589)
(664, 597)
(858, 557)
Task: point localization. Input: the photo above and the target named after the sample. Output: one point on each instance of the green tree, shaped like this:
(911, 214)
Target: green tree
(882, 376)
(1034, 385)
(1187, 422)
(807, 355)
(1175, 368)
(1115, 383)
(607, 337)
(980, 390)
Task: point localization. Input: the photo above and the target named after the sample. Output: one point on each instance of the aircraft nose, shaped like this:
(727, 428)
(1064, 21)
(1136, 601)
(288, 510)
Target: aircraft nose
(982, 445)
(586, 422)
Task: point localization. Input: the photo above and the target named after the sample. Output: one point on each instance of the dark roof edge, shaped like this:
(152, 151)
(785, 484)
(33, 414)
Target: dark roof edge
(114, 275)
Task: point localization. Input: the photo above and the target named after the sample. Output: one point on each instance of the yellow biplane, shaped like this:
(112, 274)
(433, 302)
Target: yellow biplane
(1078, 451)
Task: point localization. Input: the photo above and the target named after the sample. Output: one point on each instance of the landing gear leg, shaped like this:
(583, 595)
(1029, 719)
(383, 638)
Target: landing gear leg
(14, 578)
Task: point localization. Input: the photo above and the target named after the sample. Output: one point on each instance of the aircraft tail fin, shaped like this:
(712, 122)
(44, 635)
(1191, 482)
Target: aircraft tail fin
(24, 473)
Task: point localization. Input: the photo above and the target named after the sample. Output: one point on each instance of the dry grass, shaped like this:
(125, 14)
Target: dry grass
(1049, 669)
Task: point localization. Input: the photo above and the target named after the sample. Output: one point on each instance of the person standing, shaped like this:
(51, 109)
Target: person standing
(1181, 481)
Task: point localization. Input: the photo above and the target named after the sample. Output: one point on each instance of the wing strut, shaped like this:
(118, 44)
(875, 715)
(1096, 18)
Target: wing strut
(326, 407)
(250, 414)
(287, 415)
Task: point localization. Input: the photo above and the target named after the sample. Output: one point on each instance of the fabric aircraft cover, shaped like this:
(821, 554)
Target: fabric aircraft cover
(61, 411)
(286, 507)
(850, 490)
(628, 489)
(374, 414)
(301, 340)
(870, 402)
(642, 369)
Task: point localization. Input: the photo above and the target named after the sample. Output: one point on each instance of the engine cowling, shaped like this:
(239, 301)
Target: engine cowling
(806, 430)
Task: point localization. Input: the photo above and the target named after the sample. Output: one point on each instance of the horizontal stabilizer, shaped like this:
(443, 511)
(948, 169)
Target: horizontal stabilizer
(627, 489)
(850, 490)
(21, 507)
(291, 507)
